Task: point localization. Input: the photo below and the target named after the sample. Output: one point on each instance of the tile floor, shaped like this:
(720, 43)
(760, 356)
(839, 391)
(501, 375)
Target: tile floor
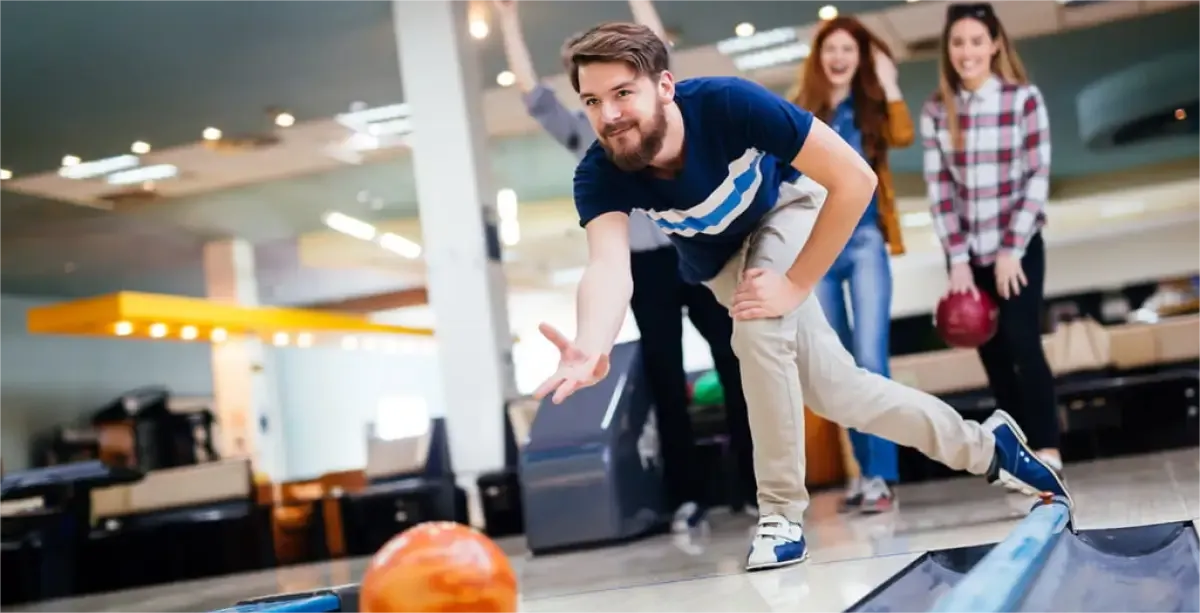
(703, 572)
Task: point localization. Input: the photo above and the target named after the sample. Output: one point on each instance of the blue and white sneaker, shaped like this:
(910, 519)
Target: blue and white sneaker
(1016, 466)
(777, 542)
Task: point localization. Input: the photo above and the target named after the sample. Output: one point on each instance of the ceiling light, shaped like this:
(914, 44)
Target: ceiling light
(1180, 114)
(399, 245)
(827, 12)
(285, 120)
(506, 78)
(281, 339)
(5, 174)
(304, 339)
(140, 147)
(218, 335)
(158, 330)
(211, 134)
(479, 29)
(147, 174)
(350, 343)
(74, 169)
(187, 333)
(123, 328)
(350, 226)
(744, 29)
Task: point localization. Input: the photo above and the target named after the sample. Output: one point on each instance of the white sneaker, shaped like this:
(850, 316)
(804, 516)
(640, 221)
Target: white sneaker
(777, 542)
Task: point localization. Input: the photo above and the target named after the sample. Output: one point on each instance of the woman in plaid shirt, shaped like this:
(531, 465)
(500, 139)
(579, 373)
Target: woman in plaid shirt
(987, 165)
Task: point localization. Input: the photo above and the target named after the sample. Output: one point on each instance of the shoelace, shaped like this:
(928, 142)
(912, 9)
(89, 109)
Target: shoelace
(772, 529)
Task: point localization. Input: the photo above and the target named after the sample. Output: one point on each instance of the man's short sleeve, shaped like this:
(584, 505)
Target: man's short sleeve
(772, 124)
(597, 188)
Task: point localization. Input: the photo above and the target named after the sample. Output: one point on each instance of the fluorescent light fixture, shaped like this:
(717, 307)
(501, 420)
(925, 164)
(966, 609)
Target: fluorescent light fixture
(506, 204)
(157, 172)
(772, 57)
(761, 40)
(1122, 209)
(97, 168)
(5, 174)
(348, 225)
(399, 245)
(360, 120)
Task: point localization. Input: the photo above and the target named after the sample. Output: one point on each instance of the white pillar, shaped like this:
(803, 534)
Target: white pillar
(443, 88)
(247, 409)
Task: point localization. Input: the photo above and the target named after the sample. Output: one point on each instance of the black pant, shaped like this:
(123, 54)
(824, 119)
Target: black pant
(659, 295)
(1015, 362)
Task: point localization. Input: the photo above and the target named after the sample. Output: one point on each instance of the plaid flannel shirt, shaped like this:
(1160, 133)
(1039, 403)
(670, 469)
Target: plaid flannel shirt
(991, 196)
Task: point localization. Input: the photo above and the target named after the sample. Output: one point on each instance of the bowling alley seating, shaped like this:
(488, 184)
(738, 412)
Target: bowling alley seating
(1122, 389)
(411, 480)
(176, 524)
(46, 519)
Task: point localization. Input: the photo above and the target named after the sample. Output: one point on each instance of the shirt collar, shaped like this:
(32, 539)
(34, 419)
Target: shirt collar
(988, 89)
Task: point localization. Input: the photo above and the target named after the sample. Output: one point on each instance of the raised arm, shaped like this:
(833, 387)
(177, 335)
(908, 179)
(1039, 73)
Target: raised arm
(1035, 150)
(645, 14)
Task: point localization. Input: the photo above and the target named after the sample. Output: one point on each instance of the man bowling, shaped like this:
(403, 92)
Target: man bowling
(717, 162)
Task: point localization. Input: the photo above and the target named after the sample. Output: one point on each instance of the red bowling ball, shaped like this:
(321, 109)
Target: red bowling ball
(966, 320)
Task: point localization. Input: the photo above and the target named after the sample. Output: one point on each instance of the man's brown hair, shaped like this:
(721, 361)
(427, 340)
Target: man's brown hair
(634, 44)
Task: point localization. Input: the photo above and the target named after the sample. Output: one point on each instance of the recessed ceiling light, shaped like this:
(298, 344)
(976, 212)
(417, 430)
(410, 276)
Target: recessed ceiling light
(5, 174)
(479, 29)
(506, 78)
(188, 333)
(158, 330)
(140, 147)
(211, 134)
(744, 29)
(285, 120)
(70, 160)
(827, 12)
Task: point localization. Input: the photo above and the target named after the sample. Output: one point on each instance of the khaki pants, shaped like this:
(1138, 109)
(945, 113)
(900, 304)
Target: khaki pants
(783, 359)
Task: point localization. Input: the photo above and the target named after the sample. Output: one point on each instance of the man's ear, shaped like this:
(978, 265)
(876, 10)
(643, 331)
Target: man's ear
(666, 86)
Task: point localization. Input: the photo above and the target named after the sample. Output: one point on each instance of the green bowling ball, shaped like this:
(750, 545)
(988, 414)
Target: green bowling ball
(707, 390)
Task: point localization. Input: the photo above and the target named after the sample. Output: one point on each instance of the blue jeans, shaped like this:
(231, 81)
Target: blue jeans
(864, 265)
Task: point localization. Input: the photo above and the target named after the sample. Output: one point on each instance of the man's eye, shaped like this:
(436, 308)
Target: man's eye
(623, 93)
(589, 102)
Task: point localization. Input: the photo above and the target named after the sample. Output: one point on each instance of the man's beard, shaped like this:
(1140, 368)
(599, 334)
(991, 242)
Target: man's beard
(638, 157)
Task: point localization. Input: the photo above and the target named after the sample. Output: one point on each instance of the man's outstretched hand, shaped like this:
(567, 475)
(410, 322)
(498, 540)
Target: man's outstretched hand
(576, 370)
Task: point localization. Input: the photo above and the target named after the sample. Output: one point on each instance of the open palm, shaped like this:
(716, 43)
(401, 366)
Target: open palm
(576, 370)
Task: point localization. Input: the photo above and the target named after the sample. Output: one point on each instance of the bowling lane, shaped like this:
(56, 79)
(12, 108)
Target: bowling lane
(850, 555)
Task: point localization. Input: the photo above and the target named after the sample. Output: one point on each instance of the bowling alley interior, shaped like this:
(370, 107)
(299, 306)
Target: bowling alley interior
(262, 350)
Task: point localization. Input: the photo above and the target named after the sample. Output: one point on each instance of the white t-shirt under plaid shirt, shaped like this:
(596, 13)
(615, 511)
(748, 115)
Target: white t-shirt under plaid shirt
(990, 197)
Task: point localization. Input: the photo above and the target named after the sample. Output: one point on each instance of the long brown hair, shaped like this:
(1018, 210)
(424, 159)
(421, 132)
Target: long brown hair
(870, 104)
(1005, 63)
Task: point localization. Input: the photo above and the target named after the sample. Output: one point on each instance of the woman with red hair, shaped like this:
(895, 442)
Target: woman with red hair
(850, 83)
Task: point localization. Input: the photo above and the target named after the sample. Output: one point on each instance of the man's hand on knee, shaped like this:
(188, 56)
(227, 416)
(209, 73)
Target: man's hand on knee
(764, 293)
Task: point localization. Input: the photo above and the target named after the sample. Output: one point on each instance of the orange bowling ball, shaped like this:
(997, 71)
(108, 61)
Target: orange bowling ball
(439, 566)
